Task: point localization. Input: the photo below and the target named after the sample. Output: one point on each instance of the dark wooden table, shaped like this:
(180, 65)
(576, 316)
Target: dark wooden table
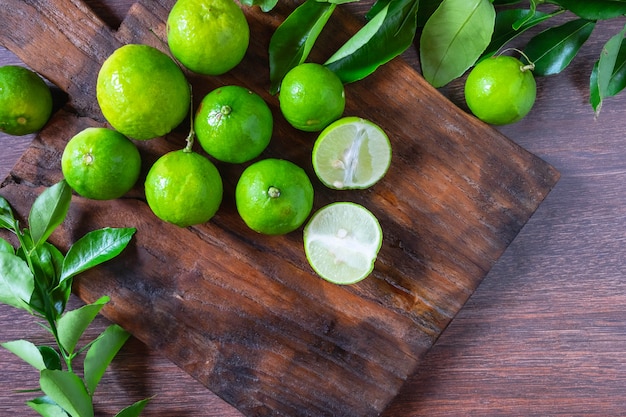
(544, 334)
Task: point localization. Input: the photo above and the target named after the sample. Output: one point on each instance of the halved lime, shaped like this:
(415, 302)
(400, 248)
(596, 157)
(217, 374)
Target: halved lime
(341, 242)
(351, 153)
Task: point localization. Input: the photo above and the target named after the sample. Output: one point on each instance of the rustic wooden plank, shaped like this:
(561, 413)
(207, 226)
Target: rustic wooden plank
(243, 313)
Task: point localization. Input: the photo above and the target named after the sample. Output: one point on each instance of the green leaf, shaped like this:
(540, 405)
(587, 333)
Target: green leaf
(133, 410)
(73, 324)
(604, 82)
(618, 78)
(49, 211)
(426, 9)
(504, 31)
(51, 357)
(385, 36)
(46, 407)
(16, 281)
(7, 221)
(95, 248)
(68, 391)
(6, 247)
(594, 9)
(46, 262)
(454, 37)
(265, 5)
(293, 40)
(26, 351)
(101, 353)
(554, 49)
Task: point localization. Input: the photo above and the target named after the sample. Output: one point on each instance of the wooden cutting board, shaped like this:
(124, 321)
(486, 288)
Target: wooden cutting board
(244, 313)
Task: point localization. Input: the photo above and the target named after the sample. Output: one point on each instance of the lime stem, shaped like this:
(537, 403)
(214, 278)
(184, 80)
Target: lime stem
(226, 110)
(192, 134)
(273, 192)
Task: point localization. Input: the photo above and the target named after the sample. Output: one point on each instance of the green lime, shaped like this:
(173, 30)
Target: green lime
(500, 90)
(351, 153)
(311, 97)
(233, 124)
(342, 241)
(100, 163)
(25, 101)
(274, 196)
(184, 188)
(208, 36)
(142, 92)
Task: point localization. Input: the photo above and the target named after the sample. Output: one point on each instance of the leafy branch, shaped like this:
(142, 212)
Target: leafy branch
(37, 277)
(453, 36)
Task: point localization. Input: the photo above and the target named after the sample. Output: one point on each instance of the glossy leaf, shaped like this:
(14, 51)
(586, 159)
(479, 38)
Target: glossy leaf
(49, 211)
(293, 40)
(101, 353)
(504, 32)
(68, 391)
(26, 351)
(133, 410)
(7, 221)
(454, 38)
(6, 247)
(384, 37)
(95, 248)
(51, 357)
(594, 9)
(554, 49)
(265, 5)
(46, 407)
(607, 77)
(16, 281)
(73, 324)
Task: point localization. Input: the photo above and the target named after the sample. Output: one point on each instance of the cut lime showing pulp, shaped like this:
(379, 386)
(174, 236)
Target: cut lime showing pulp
(351, 153)
(341, 242)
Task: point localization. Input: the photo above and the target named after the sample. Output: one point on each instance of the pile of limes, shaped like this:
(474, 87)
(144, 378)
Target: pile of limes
(143, 93)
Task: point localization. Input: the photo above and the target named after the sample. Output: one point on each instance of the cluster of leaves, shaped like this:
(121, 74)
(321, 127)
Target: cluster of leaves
(453, 36)
(37, 277)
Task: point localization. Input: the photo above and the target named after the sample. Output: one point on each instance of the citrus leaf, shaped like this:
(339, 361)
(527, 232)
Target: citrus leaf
(388, 34)
(293, 40)
(49, 211)
(504, 31)
(265, 5)
(608, 73)
(73, 324)
(554, 49)
(101, 353)
(594, 10)
(46, 407)
(454, 37)
(68, 391)
(95, 248)
(133, 410)
(6, 247)
(26, 351)
(16, 281)
(7, 221)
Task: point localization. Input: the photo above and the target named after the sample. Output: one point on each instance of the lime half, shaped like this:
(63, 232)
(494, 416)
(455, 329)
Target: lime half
(351, 153)
(341, 242)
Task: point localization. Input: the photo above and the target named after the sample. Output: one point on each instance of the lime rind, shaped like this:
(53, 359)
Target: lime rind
(342, 241)
(351, 153)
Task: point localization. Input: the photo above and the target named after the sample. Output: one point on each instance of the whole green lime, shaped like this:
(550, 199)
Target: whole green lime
(25, 101)
(233, 124)
(208, 36)
(100, 163)
(274, 196)
(500, 90)
(311, 97)
(142, 92)
(184, 188)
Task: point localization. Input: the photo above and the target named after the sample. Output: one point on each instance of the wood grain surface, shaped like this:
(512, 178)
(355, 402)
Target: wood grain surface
(543, 335)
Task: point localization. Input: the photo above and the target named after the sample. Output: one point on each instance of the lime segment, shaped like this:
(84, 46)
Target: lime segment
(351, 153)
(341, 242)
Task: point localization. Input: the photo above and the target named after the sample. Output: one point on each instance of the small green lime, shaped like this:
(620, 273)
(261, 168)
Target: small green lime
(184, 188)
(311, 97)
(142, 93)
(500, 90)
(233, 124)
(25, 101)
(342, 241)
(274, 196)
(208, 36)
(351, 153)
(100, 163)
